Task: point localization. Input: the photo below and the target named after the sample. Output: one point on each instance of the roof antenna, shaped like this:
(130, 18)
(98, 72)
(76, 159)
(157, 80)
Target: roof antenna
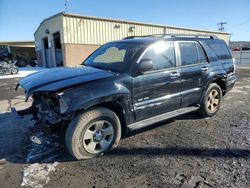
(66, 5)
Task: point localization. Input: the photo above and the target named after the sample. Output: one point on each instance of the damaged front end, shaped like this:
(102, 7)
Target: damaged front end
(47, 131)
(50, 105)
(48, 109)
(51, 108)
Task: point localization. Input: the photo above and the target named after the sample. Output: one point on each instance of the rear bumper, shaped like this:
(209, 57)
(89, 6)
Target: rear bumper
(231, 79)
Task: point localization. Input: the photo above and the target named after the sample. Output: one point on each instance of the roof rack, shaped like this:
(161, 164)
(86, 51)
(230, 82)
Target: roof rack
(143, 36)
(194, 35)
(174, 35)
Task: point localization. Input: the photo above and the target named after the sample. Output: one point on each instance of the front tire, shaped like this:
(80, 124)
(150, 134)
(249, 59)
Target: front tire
(92, 133)
(211, 101)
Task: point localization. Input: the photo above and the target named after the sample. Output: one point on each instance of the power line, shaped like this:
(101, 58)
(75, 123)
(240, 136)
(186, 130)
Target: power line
(240, 24)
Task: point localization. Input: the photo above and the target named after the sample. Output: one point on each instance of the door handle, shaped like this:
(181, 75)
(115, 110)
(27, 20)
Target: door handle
(174, 74)
(204, 69)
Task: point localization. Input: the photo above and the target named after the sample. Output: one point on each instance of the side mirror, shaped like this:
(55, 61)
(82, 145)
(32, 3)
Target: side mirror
(145, 65)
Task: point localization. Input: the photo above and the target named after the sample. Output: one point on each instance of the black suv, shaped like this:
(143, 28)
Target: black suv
(129, 84)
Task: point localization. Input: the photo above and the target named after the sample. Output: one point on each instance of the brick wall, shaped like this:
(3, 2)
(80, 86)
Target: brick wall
(75, 54)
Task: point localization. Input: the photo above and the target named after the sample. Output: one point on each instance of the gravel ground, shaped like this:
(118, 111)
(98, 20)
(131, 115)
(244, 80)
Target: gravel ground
(184, 152)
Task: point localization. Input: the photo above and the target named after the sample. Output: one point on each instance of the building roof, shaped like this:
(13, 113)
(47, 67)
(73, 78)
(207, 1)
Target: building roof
(18, 43)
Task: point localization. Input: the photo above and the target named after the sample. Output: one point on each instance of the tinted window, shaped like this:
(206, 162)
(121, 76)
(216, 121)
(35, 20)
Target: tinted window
(202, 57)
(220, 49)
(189, 53)
(162, 54)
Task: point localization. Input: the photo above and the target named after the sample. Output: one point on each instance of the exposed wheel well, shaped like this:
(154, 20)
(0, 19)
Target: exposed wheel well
(222, 85)
(119, 112)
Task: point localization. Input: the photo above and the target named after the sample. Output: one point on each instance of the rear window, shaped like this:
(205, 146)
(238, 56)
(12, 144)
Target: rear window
(220, 49)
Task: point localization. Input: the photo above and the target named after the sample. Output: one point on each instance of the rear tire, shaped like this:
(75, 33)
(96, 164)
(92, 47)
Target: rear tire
(211, 101)
(93, 133)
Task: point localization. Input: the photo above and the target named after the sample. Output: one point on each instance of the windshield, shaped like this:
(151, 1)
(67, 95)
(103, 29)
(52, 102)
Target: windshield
(113, 56)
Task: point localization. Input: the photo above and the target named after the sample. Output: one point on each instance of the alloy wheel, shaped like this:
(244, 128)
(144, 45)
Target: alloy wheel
(213, 101)
(98, 137)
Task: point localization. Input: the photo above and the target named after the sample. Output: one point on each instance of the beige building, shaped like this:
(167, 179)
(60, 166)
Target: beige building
(67, 39)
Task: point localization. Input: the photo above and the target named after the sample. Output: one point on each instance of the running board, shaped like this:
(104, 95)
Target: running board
(156, 119)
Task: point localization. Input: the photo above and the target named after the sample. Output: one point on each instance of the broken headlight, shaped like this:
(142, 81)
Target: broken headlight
(64, 104)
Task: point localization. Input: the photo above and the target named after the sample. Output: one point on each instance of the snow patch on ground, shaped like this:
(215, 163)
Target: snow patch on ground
(23, 71)
(37, 175)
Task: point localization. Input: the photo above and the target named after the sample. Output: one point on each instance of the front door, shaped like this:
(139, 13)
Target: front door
(157, 91)
(194, 70)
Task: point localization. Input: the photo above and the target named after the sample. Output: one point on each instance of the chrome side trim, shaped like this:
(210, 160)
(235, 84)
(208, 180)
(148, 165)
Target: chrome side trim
(190, 90)
(156, 100)
(161, 117)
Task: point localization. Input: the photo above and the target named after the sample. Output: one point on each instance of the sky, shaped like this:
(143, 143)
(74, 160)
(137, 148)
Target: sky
(20, 18)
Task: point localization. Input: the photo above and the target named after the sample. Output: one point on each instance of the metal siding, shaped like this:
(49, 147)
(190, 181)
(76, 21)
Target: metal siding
(64, 29)
(97, 32)
(54, 25)
(86, 32)
(92, 32)
(77, 35)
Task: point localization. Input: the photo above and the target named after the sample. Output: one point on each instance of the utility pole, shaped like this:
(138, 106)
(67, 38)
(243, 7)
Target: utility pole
(66, 5)
(221, 28)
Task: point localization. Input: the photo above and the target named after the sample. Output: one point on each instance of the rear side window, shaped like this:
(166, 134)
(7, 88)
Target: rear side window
(162, 54)
(191, 53)
(202, 56)
(220, 49)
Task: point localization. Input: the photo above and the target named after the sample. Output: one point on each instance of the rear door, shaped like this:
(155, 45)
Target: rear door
(194, 68)
(157, 91)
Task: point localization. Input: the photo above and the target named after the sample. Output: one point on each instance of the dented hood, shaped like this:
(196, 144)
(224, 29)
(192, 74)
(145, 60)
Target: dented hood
(59, 78)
